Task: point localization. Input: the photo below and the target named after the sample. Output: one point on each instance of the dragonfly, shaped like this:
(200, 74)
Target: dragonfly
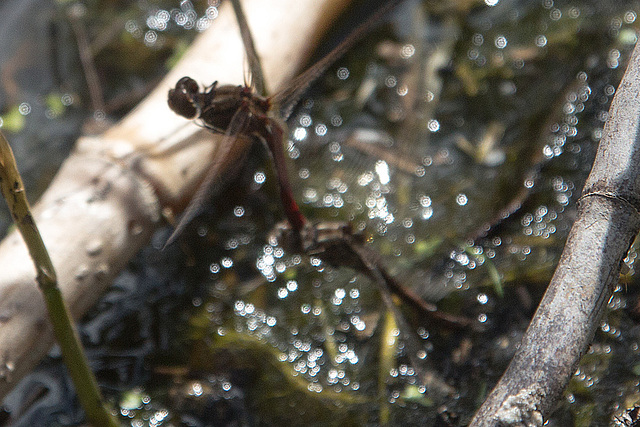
(235, 111)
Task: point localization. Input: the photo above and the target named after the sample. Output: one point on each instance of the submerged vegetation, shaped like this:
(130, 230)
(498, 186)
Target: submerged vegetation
(457, 140)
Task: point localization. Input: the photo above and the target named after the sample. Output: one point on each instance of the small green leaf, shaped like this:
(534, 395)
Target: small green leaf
(54, 104)
(132, 399)
(494, 274)
(13, 120)
(427, 247)
(412, 394)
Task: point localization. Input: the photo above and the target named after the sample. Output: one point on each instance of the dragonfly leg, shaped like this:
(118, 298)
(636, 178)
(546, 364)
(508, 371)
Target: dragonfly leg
(273, 136)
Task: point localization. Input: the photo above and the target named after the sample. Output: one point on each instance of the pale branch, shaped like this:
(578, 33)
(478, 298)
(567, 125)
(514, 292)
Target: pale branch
(571, 309)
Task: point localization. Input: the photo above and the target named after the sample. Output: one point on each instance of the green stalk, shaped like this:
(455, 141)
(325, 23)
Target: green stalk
(388, 351)
(76, 361)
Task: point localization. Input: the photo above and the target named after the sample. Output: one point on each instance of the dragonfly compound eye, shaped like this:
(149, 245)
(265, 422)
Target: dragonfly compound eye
(183, 98)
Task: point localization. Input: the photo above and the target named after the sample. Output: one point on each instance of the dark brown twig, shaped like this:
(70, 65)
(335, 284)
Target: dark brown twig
(86, 58)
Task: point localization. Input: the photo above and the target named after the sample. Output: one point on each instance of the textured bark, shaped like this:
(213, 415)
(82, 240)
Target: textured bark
(108, 196)
(564, 324)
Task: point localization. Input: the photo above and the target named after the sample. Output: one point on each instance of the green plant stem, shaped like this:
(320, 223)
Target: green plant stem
(76, 361)
(388, 350)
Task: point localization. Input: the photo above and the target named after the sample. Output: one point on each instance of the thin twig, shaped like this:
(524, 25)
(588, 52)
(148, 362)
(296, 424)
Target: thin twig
(570, 311)
(74, 357)
(86, 59)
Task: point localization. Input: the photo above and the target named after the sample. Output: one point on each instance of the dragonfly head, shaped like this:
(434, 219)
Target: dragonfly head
(184, 98)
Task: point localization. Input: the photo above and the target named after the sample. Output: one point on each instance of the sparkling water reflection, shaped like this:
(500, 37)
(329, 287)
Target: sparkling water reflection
(425, 156)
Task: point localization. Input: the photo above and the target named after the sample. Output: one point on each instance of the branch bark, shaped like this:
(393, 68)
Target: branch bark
(569, 313)
(108, 197)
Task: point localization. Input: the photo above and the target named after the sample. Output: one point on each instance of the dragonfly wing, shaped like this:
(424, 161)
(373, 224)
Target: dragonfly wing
(256, 75)
(226, 154)
(287, 99)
